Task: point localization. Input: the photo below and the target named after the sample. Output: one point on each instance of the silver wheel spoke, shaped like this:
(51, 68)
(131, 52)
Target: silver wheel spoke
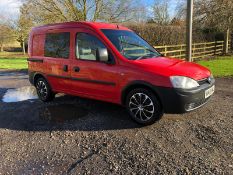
(141, 115)
(146, 115)
(140, 98)
(144, 100)
(149, 111)
(151, 104)
(134, 109)
(133, 103)
(136, 100)
(137, 113)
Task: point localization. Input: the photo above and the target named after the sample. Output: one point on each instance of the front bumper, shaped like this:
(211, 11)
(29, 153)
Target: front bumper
(178, 101)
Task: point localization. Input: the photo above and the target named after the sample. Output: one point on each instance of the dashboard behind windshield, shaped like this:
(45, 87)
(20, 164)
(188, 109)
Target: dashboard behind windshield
(130, 45)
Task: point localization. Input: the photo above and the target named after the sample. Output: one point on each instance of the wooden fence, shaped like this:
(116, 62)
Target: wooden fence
(200, 50)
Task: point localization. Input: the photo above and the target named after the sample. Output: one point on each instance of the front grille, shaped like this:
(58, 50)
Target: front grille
(203, 81)
(208, 80)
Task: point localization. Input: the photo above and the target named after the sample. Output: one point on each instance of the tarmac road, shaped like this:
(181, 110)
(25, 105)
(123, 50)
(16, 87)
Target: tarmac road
(73, 135)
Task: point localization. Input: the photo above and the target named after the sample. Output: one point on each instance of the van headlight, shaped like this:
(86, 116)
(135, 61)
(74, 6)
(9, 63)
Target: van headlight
(183, 82)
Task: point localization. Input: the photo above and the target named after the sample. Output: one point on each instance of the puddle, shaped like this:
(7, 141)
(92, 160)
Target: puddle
(20, 94)
(12, 74)
(62, 112)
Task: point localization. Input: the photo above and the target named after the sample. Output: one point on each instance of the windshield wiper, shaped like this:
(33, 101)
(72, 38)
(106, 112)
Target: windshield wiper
(147, 56)
(132, 44)
(141, 57)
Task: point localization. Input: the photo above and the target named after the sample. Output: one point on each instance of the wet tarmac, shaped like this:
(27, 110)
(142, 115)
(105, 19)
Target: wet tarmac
(19, 97)
(62, 112)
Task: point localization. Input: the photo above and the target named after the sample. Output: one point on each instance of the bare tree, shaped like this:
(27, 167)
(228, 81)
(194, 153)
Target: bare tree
(23, 26)
(6, 34)
(161, 14)
(180, 10)
(51, 11)
(120, 11)
(6, 31)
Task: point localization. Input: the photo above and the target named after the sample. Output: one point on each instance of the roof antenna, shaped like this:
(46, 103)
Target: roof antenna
(118, 26)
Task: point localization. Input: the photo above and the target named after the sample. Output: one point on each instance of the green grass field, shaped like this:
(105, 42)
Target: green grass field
(221, 66)
(13, 63)
(13, 60)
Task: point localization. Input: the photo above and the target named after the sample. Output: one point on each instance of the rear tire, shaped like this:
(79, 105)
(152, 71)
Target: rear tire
(44, 90)
(143, 106)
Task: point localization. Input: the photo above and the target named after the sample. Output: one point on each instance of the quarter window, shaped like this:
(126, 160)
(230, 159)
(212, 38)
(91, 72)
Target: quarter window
(86, 46)
(57, 45)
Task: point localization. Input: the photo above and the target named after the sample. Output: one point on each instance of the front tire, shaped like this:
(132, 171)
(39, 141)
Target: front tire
(44, 90)
(143, 106)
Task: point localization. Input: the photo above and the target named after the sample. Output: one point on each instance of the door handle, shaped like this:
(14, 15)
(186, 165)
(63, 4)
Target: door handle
(76, 69)
(65, 68)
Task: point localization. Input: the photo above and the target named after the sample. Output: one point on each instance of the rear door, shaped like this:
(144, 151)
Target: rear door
(90, 76)
(57, 59)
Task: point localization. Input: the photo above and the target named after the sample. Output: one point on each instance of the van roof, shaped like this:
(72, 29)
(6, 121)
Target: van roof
(95, 25)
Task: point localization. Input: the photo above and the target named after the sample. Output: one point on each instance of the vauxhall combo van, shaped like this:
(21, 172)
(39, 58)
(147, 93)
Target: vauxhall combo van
(112, 63)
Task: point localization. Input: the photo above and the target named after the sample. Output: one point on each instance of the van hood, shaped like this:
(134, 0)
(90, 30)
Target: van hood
(174, 67)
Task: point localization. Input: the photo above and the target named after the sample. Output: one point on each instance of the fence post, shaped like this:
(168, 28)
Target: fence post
(204, 50)
(223, 47)
(226, 40)
(193, 49)
(165, 51)
(180, 50)
(215, 47)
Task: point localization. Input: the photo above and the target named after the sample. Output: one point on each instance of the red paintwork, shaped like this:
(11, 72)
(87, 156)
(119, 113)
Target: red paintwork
(155, 71)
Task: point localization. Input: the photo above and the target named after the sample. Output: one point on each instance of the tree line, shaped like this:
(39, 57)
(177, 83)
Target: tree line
(157, 24)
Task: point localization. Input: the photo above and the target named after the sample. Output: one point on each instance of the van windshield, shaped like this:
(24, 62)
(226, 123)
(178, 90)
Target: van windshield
(130, 45)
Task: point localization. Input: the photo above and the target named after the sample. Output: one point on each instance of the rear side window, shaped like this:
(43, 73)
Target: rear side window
(37, 45)
(57, 45)
(86, 46)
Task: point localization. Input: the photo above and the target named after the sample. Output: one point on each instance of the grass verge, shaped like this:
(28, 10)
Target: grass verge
(13, 60)
(13, 63)
(220, 67)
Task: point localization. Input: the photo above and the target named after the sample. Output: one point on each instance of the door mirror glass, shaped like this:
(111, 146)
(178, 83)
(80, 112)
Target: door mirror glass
(102, 54)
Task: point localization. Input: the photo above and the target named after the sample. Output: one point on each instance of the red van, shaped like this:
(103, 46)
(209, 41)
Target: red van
(111, 63)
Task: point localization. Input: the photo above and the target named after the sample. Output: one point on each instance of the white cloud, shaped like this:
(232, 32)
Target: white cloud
(10, 8)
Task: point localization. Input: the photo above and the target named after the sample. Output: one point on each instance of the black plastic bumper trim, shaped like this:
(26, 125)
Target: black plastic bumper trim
(176, 101)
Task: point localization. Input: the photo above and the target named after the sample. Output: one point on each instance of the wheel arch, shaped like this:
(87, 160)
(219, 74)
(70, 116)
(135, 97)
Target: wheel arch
(139, 84)
(36, 76)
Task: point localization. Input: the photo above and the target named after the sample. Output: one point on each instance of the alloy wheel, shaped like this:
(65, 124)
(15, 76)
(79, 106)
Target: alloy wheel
(141, 106)
(42, 89)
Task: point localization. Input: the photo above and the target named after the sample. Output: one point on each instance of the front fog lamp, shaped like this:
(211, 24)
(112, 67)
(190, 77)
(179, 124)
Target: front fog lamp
(183, 82)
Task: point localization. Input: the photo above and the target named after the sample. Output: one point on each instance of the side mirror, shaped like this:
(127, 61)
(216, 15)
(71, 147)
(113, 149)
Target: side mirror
(102, 54)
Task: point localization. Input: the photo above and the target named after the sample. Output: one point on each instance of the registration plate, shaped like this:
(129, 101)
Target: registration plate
(209, 92)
